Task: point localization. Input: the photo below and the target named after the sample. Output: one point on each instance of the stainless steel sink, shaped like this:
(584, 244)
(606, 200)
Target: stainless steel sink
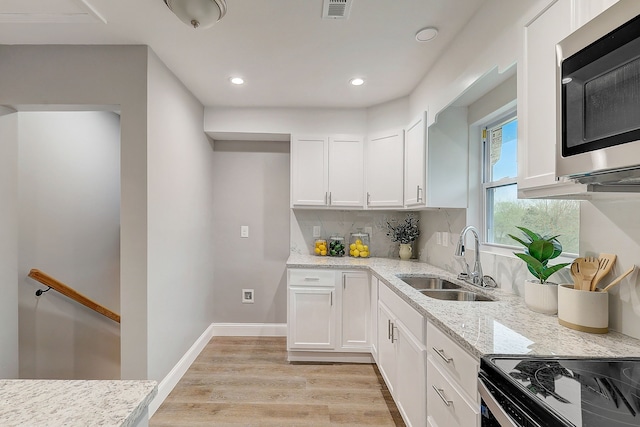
(454, 295)
(428, 282)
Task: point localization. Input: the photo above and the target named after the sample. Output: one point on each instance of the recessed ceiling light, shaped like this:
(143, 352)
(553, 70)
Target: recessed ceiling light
(426, 34)
(357, 81)
(237, 80)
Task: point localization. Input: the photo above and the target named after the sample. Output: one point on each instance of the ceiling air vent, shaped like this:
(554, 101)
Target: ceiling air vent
(336, 9)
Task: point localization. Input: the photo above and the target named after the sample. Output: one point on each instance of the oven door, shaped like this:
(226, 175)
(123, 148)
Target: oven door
(498, 410)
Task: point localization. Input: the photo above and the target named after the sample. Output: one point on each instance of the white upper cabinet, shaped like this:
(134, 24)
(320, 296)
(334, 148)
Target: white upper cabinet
(346, 172)
(327, 171)
(436, 161)
(385, 169)
(415, 162)
(537, 94)
(309, 171)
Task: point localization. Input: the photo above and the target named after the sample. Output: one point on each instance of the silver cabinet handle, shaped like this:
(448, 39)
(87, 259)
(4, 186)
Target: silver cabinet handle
(311, 279)
(442, 355)
(329, 198)
(417, 193)
(331, 298)
(368, 198)
(419, 196)
(441, 395)
(326, 198)
(393, 334)
(388, 328)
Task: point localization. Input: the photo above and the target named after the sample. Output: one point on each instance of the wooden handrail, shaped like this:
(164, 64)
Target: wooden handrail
(65, 290)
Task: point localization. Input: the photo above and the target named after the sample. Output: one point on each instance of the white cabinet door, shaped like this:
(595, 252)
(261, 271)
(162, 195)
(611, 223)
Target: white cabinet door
(385, 169)
(445, 404)
(346, 172)
(386, 348)
(309, 171)
(537, 96)
(311, 318)
(356, 310)
(415, 161)
(373, 306)
(411, 377)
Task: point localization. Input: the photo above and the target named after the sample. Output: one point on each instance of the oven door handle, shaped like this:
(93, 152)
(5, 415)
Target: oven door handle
(495, 408)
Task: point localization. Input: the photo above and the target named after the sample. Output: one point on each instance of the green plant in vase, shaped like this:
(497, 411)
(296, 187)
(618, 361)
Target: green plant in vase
(538, 251)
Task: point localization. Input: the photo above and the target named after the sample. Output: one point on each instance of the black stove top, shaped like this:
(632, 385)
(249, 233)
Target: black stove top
(566, 391)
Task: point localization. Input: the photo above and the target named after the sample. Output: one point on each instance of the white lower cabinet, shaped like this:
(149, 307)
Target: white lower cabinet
(402, 356)
(328, 311)
(356, 310)
(452, 375)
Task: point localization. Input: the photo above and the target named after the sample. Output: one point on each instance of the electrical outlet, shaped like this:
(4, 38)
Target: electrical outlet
(438, 238)
(247, 296)
(369, 231)
(316, 231)
(445, 238)
(244, 231)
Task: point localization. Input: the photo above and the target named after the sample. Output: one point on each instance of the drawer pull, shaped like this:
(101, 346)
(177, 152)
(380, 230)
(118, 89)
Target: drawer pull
(441, 395)
(388, 329)
(442, 355)
(311, 279)
(393, 334)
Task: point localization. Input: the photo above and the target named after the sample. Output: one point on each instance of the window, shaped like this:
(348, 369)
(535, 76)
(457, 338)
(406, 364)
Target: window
(503, 210)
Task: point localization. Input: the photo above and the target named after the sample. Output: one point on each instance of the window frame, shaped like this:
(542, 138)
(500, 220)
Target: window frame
(487, 216)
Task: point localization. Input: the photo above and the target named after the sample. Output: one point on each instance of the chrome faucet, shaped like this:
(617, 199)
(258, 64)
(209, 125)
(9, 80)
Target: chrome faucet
(475, 277)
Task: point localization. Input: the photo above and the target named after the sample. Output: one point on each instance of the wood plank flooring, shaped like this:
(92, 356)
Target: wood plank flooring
(247, 381)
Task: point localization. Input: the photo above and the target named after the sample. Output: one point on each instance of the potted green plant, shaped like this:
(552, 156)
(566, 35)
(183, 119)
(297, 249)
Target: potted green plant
(406, 232)
(540, 295)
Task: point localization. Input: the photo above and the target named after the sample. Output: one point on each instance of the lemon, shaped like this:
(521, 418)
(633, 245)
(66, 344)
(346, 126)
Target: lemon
(323, 253)
(358, 242)
(323, 247)
(356, 253)
(366, 248)
(317, 250)
(352, 246)
(364, 254)
(360, 247)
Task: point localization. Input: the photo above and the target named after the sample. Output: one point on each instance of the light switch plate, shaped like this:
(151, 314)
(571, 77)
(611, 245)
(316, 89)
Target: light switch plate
(247, 296)
(438, 238)
(316, 231)
(445, 238)
(244, 231)
(369, 231)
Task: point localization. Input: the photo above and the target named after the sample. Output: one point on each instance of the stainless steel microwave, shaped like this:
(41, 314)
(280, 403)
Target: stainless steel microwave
(598, 100)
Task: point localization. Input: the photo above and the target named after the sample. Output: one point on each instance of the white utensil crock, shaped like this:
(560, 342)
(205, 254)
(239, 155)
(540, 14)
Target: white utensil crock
(584, 311)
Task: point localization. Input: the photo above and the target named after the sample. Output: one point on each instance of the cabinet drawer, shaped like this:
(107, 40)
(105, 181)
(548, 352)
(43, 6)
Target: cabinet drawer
(412, 320)
(445, 404)
(312, 277)
(462, 367)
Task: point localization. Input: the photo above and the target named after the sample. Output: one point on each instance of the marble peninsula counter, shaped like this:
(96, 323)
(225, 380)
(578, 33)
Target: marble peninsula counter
(503, 326)
(51, 403)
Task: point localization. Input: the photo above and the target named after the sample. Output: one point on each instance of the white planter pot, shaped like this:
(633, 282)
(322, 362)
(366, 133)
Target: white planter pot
(584, 311)
(541, 298)
(405, 251)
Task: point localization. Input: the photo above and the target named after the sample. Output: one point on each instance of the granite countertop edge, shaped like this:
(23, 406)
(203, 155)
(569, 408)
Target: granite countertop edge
(502, 326)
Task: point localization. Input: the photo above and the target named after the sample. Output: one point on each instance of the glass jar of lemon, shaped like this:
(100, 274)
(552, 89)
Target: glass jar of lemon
(320, 247)
(359, 245)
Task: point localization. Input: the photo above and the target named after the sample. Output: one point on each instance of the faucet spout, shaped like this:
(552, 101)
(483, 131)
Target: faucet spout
(475, 276)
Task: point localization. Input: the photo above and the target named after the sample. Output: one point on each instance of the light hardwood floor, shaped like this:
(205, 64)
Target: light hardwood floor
(247, 381)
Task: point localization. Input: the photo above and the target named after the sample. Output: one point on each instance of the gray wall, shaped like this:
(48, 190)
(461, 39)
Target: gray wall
(8, 244)
(180, 218)
(69, 206)
(251, 186)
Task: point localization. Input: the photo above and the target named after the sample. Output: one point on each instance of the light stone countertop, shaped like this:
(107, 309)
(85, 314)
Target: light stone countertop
(504, 326)
(39, 403)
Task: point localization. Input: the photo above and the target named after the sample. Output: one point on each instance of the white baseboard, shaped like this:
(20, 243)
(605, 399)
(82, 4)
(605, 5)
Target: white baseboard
(329, 357)
(249, 329)
(169, 382)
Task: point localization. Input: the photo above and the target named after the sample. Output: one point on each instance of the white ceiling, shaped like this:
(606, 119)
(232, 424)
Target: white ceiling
(287, 54)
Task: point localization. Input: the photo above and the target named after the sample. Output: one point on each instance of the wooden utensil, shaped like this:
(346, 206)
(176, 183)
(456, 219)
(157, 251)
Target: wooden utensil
(619, 279)
(588, 268)
(605, 263)
(575, 273)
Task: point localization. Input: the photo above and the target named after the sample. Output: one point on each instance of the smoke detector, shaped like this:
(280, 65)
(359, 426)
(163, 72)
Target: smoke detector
(336, 9)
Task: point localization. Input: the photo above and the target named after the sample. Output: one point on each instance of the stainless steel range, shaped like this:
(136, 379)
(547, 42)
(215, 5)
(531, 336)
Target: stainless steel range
(559, 391)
